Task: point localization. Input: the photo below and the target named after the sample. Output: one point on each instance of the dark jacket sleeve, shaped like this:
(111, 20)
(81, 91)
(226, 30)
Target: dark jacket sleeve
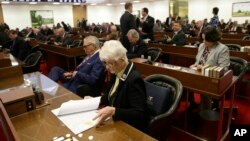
(141, 50)
(148, 25)
(91, 78)
(23, 49)
(136, 100)
(179, 39)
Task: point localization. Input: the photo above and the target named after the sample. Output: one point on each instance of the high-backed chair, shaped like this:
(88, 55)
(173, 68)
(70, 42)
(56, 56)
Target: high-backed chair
(239, 68)
(92, 90)
(76, 43)
(32, 62)
(163, 97)
(154, 53)
(247, 37)
(34, 49)
(233, 47)
(238, 65)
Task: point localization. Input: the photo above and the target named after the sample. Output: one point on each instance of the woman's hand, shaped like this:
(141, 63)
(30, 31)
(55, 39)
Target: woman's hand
(103, 114)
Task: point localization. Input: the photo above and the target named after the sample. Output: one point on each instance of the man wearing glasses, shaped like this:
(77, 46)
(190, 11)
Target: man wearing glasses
(87, 72)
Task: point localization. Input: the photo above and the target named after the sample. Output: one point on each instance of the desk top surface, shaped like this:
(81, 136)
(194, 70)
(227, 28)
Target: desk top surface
(41, 124)
(191, 79)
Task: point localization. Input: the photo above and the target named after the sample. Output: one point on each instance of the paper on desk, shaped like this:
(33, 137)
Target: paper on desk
(75, 106)
(48, 86)
(77, 122)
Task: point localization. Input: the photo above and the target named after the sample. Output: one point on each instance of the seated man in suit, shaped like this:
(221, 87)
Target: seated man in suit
(88, 72)
(179, 37)
(114, 34)
(125, 98)
(137, 46)
(63, 39)
(19, 47)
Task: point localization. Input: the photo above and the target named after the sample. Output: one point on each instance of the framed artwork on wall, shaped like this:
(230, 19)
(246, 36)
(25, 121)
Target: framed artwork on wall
(41, 17)
(241, 9)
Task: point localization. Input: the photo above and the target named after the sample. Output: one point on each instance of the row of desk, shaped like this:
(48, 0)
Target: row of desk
(159, 35)
(42, 125)
(193, 81)
(185, 55)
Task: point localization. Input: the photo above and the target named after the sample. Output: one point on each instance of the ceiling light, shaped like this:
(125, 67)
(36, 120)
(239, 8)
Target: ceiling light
(5, 2)
(93, 4)
(56, 3)
(109, 4)
(122, 3)
(33, 3)
(76, 3)
(136, 1)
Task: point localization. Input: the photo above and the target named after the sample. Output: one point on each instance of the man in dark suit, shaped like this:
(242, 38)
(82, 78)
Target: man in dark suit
(169, 21)
(19, 47)
(147, 25)
(179, 37)
(88, 72)
(125, 97)
(137, 46)
(46, 31)
(63, 39)
(127, 22)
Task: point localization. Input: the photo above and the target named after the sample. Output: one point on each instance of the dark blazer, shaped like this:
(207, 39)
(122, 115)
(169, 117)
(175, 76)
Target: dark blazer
(19, 48)
(127, 22)
(129, 98)
(47, 32)
(139, 49)
(147, 27)
(179, 39)
(88, 73)
(168, 21)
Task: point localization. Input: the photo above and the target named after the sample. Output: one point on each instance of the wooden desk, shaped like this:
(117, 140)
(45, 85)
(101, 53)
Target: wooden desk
(4, 60)
(60, 56)
(43, 125)
(11, 72)
(194, 81)
(185, 56)
(7, 131)
(224, 41)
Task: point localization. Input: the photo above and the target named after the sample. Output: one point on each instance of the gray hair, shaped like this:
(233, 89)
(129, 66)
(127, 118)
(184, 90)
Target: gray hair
(133, 33)
(94, 40)
(113, 50)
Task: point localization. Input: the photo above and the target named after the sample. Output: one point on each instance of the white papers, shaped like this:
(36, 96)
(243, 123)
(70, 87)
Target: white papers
(75, 106)
(77, 115)
(47, 85)
(77, 122)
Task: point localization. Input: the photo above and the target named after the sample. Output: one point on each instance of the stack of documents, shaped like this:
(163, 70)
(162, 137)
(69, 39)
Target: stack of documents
(77, 115)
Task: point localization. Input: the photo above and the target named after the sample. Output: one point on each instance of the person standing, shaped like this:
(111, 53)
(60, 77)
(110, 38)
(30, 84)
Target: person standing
(127, 22)
(147, 25)
(215, 19)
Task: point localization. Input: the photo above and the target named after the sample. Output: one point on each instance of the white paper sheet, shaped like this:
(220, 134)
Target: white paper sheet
(76, 106)
(47, 85)
(77, 122)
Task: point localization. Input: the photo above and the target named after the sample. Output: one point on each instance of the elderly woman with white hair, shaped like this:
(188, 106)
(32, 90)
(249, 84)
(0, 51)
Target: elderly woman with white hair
(125, 98)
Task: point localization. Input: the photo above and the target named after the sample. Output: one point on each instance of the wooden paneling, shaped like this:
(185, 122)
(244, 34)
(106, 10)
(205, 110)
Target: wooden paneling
(79, 12)
(11, 76)
(1, 14)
